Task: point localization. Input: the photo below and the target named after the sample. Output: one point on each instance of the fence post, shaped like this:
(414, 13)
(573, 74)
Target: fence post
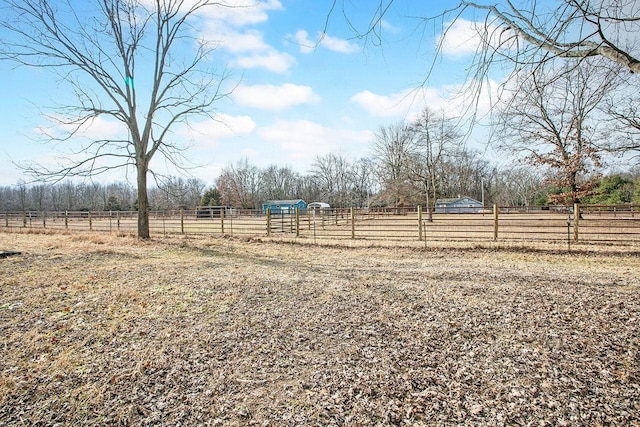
(6, 219)
(576, 222)
(297, 222)
(182, 221)
(110, 221)
(420, 231)
(90, 221)
(24, 219)
(353, 223)
(222, 221)
(118, 219)
(44, 219)
(66, 220)
(495, 222)
(268, 222)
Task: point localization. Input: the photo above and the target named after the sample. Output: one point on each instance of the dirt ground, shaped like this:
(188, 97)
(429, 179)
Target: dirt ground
(104, 330)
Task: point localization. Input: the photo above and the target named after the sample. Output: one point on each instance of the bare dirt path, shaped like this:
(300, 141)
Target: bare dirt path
(98, 330)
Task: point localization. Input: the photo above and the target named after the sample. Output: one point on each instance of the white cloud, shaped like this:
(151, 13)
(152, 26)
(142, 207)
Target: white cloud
(102, 128)
(208, 133)
(401, 104)
(302, 140)
(234, 12)
(10, 175)
(454, 100)
(302, 38)
(461, 38)
(465, 37)
(208, 172)
(338, 45)
(249, 153)
(227, 28)
(249, 41)
(270, 97)
(277, 62)
(96, 129)
(334, 44)
(241, 13)
(389, 27)
(249, 47)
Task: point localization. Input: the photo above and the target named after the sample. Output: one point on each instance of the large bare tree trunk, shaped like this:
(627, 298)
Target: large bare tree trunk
(143, 202)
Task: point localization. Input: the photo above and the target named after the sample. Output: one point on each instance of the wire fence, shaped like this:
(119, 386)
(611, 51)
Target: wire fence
(594, 224)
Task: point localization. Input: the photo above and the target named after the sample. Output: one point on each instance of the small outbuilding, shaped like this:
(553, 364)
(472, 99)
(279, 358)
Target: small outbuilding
(459, 205)
(212, 211)
(284, 206)
(320, 206)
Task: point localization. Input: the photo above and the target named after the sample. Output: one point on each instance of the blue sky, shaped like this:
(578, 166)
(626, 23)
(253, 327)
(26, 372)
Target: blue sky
(294, 100)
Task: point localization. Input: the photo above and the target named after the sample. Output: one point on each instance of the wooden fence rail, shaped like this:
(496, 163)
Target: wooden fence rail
(613, 225)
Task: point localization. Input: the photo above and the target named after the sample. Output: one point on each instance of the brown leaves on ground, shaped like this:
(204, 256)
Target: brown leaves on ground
(106, 330)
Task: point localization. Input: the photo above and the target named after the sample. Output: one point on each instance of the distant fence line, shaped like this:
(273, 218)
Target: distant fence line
(611, 224)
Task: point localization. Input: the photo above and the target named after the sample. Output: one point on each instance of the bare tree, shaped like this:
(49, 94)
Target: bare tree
(124, 193)
(131, 61)
(535, 32)
(394, 149)
(239, 185)
(176, 193)
(69, 195)
(436, 138)
(8, 198)
(363, 177)
(39, 194)
(627, 138)
(463, 173)
(518, 185)
(622, 107)
(334, 175)
(551, 121)
(279, 183)
(532, 32)
(309, 189)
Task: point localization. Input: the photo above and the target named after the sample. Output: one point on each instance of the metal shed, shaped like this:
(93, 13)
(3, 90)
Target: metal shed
(318, 205)
(458, 205)
(284, 206)
(212, 211)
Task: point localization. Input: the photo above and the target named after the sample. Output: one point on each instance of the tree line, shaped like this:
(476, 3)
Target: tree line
(333, 178)
(174, 193)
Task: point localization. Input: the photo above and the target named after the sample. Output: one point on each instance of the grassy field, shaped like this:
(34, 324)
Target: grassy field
(105, 330)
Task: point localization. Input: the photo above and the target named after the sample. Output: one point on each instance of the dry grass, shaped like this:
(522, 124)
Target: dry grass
(101, 330)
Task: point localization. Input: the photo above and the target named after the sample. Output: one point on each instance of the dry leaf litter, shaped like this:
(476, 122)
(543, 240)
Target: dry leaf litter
(99, 330)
